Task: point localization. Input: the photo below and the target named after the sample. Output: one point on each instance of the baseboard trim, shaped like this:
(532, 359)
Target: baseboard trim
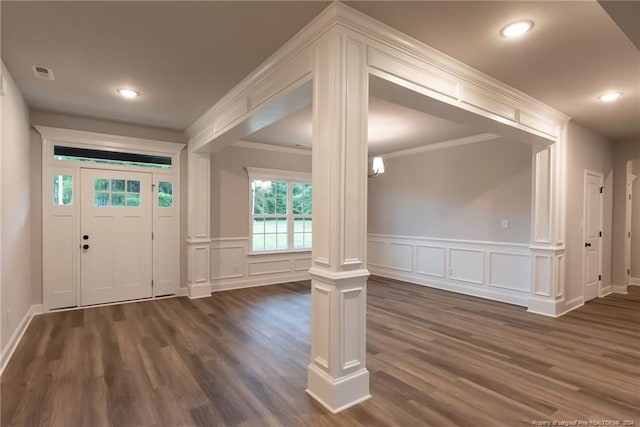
(221, 285)
(634, 281)
(620, 289)
(544, 307)
(17, 335)
(479, 291)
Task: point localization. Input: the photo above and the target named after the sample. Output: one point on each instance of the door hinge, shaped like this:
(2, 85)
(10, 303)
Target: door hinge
(152, 283)
(599, 277)
(628, 272)
(152, 235)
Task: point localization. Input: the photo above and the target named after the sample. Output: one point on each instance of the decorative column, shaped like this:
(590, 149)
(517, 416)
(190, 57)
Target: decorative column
(337, 374)
(548, 229)
(198, 224)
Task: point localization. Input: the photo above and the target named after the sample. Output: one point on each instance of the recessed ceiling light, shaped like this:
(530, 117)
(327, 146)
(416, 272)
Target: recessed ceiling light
(609, 96)
(516, 29)
(128, 93)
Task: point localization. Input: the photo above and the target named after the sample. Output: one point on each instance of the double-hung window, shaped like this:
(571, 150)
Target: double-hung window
(281, 210)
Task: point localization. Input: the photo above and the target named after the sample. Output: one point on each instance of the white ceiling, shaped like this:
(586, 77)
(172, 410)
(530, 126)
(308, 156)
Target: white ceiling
(184, 56)
(392, 127)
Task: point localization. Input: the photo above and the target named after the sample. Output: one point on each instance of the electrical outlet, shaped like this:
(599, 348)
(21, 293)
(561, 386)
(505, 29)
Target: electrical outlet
(505, 223)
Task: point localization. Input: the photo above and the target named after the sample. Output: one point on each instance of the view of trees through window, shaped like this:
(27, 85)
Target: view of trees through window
(62, 190)
(281, 212)
(165, 194)
(116, 192)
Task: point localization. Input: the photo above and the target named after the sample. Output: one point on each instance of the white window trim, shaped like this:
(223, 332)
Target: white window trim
(277, 175)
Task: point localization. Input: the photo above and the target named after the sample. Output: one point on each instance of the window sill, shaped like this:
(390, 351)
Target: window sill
(286, 251)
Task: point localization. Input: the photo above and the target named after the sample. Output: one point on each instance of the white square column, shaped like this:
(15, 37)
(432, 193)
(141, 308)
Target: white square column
(198, 224)
(337, 374)
(548, 229)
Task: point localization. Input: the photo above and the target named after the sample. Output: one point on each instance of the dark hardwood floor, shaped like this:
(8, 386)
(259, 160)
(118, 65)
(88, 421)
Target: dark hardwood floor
(240, 358)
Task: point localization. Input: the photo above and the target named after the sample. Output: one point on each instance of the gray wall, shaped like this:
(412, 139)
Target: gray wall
(16, 210)
(99, 126)
(230, 185)
(459, 193)
(623, 151)
(586, 151)
(635, 221)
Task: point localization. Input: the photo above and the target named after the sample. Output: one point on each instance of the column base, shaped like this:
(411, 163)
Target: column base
(199, 290)
(546, 307)
(337, 394)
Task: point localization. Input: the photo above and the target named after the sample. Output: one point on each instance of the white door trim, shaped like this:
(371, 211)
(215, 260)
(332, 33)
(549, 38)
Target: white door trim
(64, 291)
(599, 175)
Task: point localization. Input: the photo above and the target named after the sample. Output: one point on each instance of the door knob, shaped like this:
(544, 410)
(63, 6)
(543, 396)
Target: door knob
(587, 245)
(85, 247)
(85, 237)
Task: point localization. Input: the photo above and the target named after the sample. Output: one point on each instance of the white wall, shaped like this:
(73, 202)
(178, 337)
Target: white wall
(16, 210)
(635, 221)
(623, 151)
(585, 151)
(231, 266)
(99, 126)
(435, 219)
(230, 184)
(456, 193)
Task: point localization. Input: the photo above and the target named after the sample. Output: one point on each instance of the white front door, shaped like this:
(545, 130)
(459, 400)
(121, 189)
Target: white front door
(116, 260)
(592, 235)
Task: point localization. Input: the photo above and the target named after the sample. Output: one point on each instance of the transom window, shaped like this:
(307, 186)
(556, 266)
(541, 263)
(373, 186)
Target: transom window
(281, 210)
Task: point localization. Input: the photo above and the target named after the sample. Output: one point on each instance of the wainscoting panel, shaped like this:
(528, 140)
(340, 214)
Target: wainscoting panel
(510, 271)
(232, 267)
(430, 260)
(495, 270)
(377, 253)
(400, 256)
(466, 265)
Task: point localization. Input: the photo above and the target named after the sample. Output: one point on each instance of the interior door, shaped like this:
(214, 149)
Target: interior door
(592, 235)
(116, 246)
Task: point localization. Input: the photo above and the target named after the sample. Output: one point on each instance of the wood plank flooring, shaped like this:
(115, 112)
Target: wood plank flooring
(240, 357)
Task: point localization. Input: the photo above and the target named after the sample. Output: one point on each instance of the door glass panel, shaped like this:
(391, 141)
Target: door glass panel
(133, 186)
(101, 184)
(165, 194)
(62, 190)
(117, 185)
(117, 192)
(101, 200)
(133, 200)
(117, 199)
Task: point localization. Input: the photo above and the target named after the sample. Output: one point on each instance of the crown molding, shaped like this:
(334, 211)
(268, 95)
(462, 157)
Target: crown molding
(291, 66)
(271, 147)
(442, 145)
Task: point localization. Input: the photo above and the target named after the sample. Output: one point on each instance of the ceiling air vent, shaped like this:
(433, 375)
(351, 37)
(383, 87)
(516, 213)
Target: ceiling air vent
(42, 72)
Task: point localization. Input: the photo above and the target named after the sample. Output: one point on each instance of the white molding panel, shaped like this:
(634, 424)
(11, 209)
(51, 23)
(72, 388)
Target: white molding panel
(232, 267)
(494, 270)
